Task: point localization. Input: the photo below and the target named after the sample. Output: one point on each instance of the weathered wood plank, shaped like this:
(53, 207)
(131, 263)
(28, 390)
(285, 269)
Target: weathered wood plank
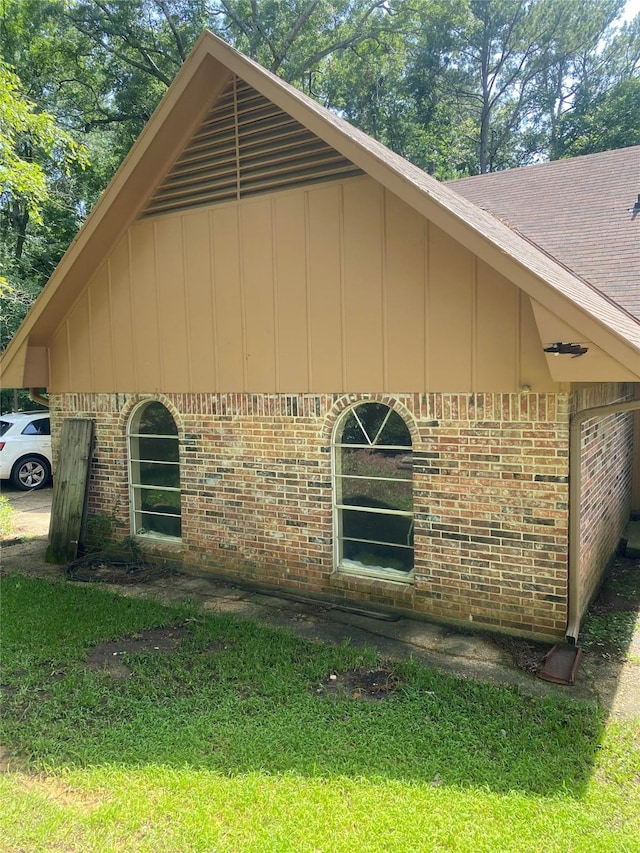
(70, 490)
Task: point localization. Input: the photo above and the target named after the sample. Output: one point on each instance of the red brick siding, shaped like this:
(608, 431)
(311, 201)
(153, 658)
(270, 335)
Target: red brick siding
(607, 465)
(490, 497)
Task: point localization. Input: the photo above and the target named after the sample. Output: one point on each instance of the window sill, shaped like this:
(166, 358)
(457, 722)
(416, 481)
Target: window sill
(392, 575)
(158, 539)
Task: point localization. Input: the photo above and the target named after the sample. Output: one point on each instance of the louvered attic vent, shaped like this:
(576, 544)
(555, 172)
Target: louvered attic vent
(245, 146)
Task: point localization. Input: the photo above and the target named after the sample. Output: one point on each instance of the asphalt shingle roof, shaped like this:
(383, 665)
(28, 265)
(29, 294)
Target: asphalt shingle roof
(580, 211)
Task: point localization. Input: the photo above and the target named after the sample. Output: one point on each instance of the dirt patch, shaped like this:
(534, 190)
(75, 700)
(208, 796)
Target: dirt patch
(527, 655)
(366, 684)
(112, 657)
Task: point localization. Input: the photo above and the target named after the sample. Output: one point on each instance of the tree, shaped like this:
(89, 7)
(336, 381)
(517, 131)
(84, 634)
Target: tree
(393, 88)
(508, 52)
(597, 109)
(292, 37)
(35, 153)
(119, 56)
(611, 120)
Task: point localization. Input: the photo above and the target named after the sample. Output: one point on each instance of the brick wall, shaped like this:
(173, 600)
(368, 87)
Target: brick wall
(607, 466)
(490, 497)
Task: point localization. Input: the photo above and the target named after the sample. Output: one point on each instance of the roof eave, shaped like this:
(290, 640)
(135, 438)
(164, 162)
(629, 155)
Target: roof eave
(187, 100)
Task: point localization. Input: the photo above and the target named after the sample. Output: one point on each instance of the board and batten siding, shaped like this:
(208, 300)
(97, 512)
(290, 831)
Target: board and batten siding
(339, 287)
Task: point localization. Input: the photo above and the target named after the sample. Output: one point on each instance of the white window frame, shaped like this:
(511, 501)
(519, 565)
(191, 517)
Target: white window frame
(340, 565)
(136, 488)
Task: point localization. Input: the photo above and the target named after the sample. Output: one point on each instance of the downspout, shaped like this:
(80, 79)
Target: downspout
(37, 397)
(575, 483)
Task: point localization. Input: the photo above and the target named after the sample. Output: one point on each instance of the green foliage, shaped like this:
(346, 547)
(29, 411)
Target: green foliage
(293, 38)
(32, 147)
(7, 517)
(611, 120)
(37, 157)
(103, 537)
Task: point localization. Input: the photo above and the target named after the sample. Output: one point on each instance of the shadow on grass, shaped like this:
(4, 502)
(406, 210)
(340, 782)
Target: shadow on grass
(235, 697)
(609, 625)
(610, 634)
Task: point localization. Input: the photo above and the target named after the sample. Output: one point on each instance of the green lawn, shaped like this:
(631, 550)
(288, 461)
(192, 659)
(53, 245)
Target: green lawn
(237, 740)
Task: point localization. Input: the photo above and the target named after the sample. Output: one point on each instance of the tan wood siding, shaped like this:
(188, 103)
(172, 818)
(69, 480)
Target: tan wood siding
(405, 353)
(497, 330)
(534, 372)
(101, 339)
(170, 259)
(79, 344)
(325, 282)
(292, 337)
(229, 322)
(122, 317)
(258, 294)
(200, 316)
(145, 294)
(362, 254)
(336, 287)
(59, 360)
(450, 326)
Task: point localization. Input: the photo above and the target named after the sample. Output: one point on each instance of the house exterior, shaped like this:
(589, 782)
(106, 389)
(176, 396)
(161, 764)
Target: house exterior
(313, 367)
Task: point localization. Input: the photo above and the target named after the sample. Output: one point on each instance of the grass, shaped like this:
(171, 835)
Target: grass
(234, 742)
(608, 628)
(7, 518)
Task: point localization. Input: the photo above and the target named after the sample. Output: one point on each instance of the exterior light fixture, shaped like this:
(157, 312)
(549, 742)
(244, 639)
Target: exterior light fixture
(574, 350)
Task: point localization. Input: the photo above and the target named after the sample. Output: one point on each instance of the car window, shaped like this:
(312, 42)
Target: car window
(4, 426)
(42, 426)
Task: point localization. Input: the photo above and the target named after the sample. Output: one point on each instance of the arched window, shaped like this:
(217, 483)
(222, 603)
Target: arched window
(154, 471)
(373, 492)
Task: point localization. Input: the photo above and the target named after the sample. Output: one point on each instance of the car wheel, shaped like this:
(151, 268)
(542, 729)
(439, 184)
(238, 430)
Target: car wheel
(30, 472)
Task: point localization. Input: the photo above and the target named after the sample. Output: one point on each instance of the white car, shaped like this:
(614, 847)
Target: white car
(25, 449)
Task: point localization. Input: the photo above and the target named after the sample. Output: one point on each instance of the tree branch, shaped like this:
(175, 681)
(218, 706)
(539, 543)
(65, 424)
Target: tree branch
(182, 53)
(293, 34)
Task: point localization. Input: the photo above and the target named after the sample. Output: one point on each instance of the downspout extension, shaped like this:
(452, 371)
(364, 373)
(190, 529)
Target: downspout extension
(37, 397)
(575, 483)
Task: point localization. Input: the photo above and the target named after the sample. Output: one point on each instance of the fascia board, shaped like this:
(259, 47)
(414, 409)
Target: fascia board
(12, 365)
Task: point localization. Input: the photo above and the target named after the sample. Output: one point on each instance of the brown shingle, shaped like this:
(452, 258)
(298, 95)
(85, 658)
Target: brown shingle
(578, 211)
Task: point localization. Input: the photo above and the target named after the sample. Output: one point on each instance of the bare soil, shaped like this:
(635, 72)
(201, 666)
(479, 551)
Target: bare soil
(112, 657)
(369, 685)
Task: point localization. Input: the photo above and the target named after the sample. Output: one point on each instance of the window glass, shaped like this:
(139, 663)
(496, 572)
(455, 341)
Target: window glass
(154, 466)
(41, 426)
(156, 419)
(158, 449)
(374, 424)
(373, 492)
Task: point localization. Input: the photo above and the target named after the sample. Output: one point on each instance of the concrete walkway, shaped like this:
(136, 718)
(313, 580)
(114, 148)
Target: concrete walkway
(32, 511)
(464, 654)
